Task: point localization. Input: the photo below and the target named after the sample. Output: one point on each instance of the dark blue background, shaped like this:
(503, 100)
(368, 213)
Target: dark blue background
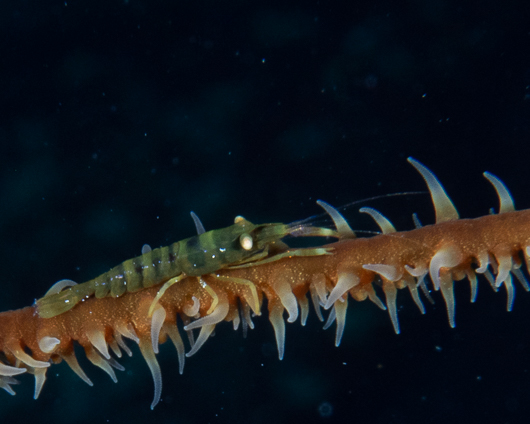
(119, 117)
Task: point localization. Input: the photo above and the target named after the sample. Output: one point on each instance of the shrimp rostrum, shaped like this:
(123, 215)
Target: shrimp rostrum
(239, 245)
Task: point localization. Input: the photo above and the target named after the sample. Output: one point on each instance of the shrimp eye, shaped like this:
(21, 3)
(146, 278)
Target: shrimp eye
(246, 242)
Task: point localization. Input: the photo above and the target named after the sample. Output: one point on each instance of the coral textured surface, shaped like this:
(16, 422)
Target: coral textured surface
(119, 118)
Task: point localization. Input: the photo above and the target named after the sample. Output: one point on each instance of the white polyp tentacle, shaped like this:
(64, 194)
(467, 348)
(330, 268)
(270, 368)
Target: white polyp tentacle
(510, 291)
(383, 222)
(247, 319)
(304, 309)
(369, 289)
(8, 371)
(236, 321)
(340, 311)
(207, 324)
(115, 347)
(472, 277)
(446, 286)
(97, 338)
(28, 360)
(419, 272)
(276, 319)
(413, 289)
(341, 224)
(127, 331)
(505, 198)
(150, 357)
(522, 279)
(48, 344)
(389, 272)
(288, 299)
(345, 282)
(215, 317)
(172, 331)
(504, 268)
(40, 378)
(318, 284)
(443, 206)
(331, 318)
(390, 290)
(100, 362)
(192, 310)
(446, 257)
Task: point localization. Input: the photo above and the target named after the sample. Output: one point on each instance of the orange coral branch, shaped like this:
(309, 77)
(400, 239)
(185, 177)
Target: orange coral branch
(447, 251)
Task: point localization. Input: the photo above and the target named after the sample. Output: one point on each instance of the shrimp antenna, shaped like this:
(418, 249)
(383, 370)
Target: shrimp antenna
(356, 202)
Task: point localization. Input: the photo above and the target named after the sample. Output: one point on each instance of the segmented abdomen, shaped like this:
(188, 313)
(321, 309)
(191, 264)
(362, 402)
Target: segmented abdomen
(152, 268)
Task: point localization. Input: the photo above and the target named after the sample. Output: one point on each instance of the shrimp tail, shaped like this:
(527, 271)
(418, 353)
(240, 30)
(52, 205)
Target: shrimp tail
(58, 303)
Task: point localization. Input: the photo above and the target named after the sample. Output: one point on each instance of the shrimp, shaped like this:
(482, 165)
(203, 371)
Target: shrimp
(239, 245)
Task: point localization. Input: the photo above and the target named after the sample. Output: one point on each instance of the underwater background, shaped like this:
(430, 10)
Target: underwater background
(118, 118)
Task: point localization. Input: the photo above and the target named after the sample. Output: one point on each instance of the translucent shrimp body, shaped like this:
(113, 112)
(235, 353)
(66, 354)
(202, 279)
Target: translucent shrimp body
(203, 254)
